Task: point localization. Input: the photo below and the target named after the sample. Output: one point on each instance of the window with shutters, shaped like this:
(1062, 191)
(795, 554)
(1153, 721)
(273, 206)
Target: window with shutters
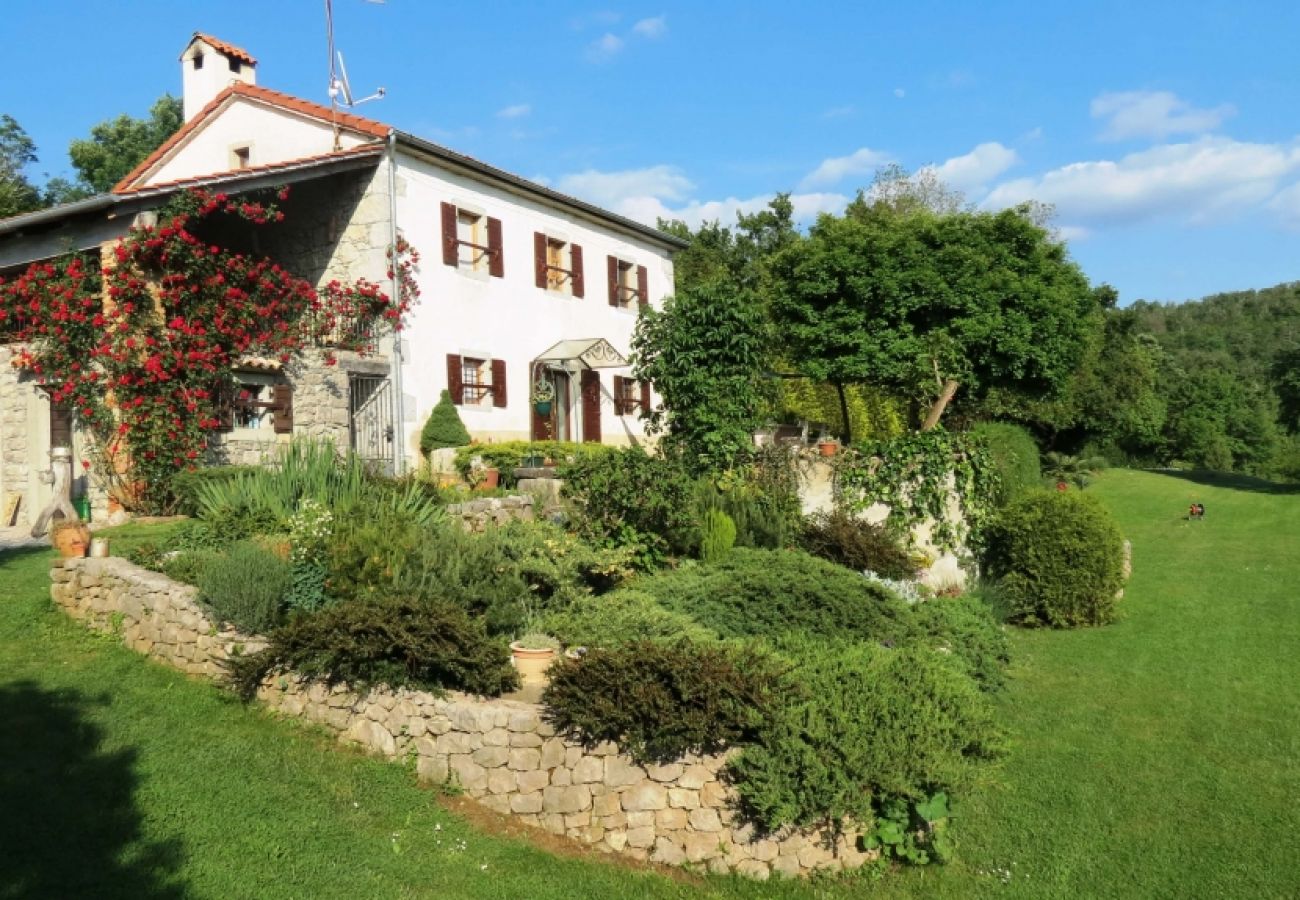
(477, 381)
(471, 241)
(259, 403)
(631, 396)
(558, 264)
(628, 284)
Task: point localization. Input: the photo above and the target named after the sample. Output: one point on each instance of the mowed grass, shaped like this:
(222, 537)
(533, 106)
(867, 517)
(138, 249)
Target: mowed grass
(1158, 757)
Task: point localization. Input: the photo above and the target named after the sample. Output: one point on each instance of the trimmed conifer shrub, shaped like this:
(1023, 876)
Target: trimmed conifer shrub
(443, 428)
(717, 535)
(658, 701)
(1057, 559)
(1014, 457)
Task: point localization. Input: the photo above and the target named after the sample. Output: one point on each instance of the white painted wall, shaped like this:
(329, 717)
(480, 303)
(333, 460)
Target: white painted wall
(273, 135)
(472, 314)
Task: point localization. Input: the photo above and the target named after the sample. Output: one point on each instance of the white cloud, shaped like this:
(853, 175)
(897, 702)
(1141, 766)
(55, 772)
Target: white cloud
(1153, 114)
(837, 168)
(970, 172)
(604, 48)
(608, 189)
(515, 111)
(1197, 182)
(652, 28)
(900, 93)
(663, 191)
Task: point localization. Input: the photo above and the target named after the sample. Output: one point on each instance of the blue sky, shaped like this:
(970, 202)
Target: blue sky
(1165, 134)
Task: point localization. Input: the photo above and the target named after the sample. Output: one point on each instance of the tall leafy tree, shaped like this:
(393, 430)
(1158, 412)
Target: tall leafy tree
(927, 304)
(707, 354)
(17, 151)
(116, 146)
(1286, 383)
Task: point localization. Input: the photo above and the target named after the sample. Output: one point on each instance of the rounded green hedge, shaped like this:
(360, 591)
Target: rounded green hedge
(1014, 455)
(1057, 559)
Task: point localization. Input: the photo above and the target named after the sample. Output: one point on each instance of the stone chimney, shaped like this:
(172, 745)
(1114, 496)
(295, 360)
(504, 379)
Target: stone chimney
(208, 67)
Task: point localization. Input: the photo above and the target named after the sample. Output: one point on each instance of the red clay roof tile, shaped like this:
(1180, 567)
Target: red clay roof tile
(221, 46)
(274, 98)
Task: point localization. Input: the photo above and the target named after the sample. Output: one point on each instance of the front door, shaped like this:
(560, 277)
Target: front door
(554, 424)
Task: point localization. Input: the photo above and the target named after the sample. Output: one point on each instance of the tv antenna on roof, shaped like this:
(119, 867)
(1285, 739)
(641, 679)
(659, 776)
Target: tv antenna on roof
(340, 90)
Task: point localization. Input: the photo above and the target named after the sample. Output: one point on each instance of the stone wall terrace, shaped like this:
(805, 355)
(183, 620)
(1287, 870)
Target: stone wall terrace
(500, 752)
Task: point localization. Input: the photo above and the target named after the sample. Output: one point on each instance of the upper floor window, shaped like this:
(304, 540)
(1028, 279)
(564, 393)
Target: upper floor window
(471, 241)
(241, 157)
(628, 283)
(558, 265)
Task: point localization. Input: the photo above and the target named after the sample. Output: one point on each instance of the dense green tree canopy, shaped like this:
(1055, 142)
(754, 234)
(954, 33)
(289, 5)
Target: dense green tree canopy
(706, 353)
(17, 193)
(925, 304)
(116, 146)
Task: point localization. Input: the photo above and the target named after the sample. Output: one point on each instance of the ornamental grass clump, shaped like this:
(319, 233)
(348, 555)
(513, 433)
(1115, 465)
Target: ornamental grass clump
(1057, 560)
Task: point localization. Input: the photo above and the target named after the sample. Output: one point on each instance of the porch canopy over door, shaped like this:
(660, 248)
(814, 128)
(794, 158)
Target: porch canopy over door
(574, 357)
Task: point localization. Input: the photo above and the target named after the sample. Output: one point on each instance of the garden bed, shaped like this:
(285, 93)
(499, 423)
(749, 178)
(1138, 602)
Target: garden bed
(501, 753)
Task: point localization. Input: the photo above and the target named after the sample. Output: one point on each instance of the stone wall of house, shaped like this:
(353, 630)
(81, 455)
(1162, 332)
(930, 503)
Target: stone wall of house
(15, 462)
(500, 752)
(477, 515)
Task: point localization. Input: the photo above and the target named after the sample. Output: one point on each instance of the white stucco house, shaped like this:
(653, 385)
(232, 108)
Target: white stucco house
(520, 284)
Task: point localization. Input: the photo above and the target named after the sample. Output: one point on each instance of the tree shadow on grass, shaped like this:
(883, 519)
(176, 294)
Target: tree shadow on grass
(1229, 480)
(69, 826)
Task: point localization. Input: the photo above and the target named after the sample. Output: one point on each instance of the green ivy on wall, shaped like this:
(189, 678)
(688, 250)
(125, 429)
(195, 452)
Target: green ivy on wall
(915, 475)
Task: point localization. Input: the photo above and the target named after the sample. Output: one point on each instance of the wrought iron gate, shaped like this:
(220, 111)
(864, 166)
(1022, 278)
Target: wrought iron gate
(370, 420)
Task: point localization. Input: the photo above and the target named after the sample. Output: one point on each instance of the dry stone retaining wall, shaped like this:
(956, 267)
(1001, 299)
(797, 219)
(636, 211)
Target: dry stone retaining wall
(477, 515)
(500, 752)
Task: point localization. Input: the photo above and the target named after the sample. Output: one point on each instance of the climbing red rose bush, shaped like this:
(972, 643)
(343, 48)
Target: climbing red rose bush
(144, 347)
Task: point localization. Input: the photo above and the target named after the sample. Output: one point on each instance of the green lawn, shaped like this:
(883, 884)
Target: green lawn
(1159, 757)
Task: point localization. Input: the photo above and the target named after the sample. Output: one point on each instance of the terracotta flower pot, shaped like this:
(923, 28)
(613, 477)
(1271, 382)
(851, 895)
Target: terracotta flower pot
(71, 539)
(828, 448)
(491, 478)
(531, 664)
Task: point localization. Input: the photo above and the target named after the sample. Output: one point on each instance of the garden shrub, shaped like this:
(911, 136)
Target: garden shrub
(188, 566)
(245, 587)
(965, 627)
(443, 428)
(1013, 456)
(658, 701)
(866, 726)
(399, 641)
(769, 593)
(507, 456)
(627, 498)
(717, 535)
(860, 546)
(1057, 559)
(620, 617)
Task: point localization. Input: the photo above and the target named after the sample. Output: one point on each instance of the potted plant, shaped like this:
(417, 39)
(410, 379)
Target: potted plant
(543, 396)
(532, 655)
(827, 445)
(70, 537)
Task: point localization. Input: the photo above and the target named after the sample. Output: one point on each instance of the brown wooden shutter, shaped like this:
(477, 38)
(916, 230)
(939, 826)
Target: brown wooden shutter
(613, 285)
(450, 243)
(223, 403)
(496, 251)
(454, 384)
(575, 263)
(499, 383)
(590, 406)
(642, 286)
(282, 414)
(539, 258)
(645, 399)
(619, 409)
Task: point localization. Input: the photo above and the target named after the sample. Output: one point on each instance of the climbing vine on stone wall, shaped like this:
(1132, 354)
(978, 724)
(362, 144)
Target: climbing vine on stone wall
(915, 475)
(145, 347)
